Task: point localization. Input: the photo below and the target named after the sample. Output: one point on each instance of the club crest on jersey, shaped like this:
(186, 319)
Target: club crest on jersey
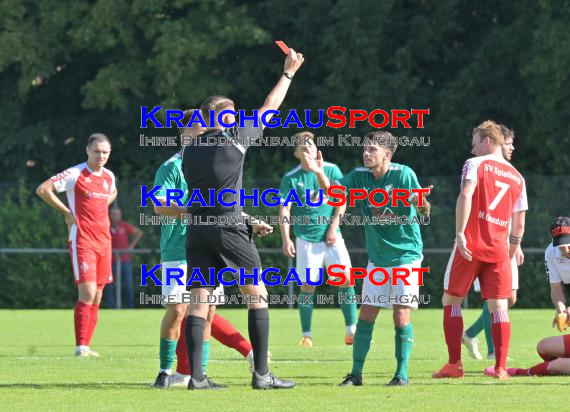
(83, 267)
(87, 194)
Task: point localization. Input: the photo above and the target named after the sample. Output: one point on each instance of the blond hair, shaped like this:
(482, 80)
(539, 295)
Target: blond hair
(491, 130)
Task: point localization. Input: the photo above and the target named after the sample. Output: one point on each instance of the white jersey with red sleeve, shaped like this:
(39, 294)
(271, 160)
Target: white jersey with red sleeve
(87, 197)
(500, 190)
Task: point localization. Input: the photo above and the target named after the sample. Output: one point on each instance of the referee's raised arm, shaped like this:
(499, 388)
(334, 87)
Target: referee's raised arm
(293, 62)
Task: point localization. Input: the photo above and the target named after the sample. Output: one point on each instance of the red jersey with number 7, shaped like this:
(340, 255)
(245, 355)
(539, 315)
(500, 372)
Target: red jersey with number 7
(500, 191)
(87, 198)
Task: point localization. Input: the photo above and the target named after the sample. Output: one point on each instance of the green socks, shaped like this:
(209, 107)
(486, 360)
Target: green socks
(167, 352)
(348, 309)
(205, 354)
(488, 328)
(361, 345)
(306, 312)
(483, 322)
(404, 340)
(477, 326)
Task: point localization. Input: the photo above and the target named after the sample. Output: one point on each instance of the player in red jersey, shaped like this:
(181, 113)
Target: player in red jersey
(554, 350)
(90, 189)
(492, 192)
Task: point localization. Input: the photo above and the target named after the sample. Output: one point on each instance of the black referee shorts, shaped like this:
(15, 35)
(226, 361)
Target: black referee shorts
(219, 247)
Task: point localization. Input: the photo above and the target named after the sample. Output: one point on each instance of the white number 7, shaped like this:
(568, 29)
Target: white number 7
(504, 187)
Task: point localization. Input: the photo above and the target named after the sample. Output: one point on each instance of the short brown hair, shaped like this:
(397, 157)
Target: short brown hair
(96, 138)
(383, 138)
(302, 137)
(507, 133)
(186, 119)
(491, 130)
(215, 103)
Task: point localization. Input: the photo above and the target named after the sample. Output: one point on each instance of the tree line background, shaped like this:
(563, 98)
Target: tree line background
(70, 68)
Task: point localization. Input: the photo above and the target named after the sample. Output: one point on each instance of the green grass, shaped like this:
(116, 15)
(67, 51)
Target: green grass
(38, 369)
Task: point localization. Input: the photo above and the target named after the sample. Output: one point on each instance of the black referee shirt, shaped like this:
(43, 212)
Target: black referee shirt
(218, 167)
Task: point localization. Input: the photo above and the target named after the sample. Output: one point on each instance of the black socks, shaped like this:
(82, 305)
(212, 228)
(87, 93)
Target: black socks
(258, 327)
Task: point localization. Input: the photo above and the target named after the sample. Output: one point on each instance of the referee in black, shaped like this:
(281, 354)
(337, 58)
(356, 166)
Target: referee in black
(228, 246)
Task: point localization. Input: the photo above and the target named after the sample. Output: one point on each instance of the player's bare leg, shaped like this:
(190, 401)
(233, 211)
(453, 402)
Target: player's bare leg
(85, 317)
(513, 298)
(453, 331)
(362, 341)
(258, 327)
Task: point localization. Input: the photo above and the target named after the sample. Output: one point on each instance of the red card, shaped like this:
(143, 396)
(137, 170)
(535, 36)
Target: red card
(282, 46)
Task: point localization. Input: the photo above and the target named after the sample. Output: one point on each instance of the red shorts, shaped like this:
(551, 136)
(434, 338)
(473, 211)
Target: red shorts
(495, 277)
(91, 265)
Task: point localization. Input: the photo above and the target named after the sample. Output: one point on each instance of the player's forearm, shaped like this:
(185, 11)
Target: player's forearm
(169, 210)
(424, 210)
(51, 199)
(558, 296)
(462, 210)
(517, 225)
(285, 226)
(112, 198)
(275, 98)
(136, 239)
(324, 182)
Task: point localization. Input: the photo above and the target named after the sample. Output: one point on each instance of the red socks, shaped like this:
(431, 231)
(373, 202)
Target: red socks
(222, 330)
(82, 320)
(539, 370)
(501, 329)
(182, 363)
(453, 331)
(93, 322)
(225, 333)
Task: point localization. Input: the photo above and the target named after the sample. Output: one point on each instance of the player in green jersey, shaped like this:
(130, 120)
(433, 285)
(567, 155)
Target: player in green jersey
(389, 246)
(316, 244)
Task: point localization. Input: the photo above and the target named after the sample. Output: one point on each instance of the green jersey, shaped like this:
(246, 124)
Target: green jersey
(388, 245)
(172, 237)
(301, 180)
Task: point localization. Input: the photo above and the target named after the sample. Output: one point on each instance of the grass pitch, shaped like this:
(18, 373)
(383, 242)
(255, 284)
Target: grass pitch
(38, 369)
